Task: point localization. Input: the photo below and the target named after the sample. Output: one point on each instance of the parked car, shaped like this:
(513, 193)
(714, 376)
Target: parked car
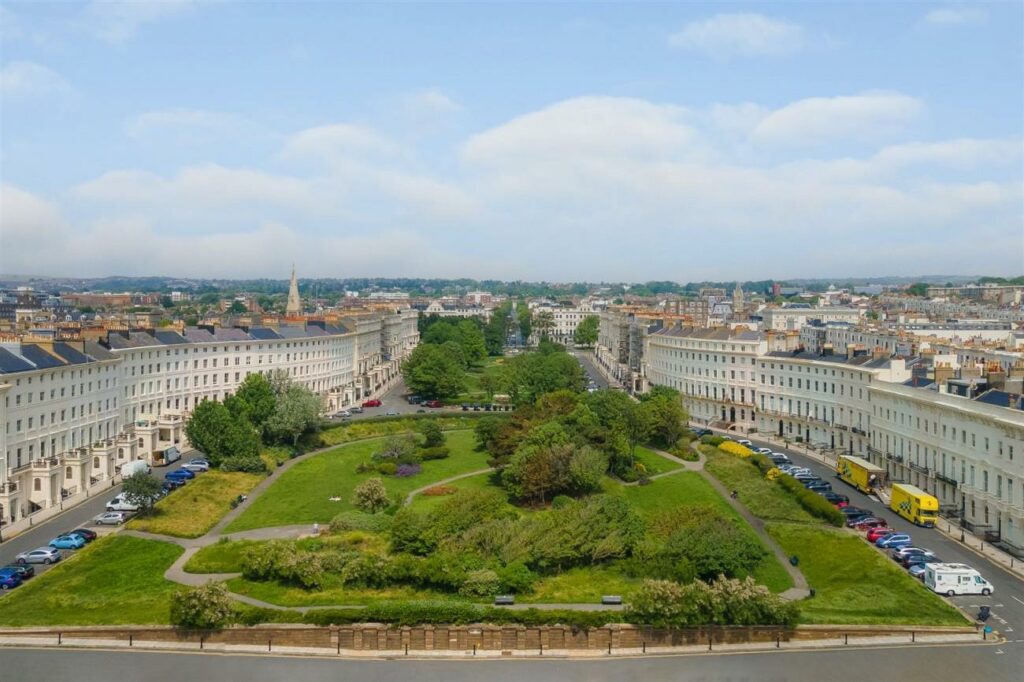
(917, 570)
(345, 414)
(414, 400)
(121, 503)
(180, 473)
(355, 409)
(767, 451)
(822, 487)
(391, 413)
(68, 542)
(371, 403)
(865, 522)
(898, 553)
(170, 484)
(702, 432)
(9, 578)
(915, 558)
(805, 476)
(87, 535)
(894, 541)
(875, 534)
(854, 511)
(26, 571)
(40, 555)
(777, 457)
(841, 501)
(745, 443)
(114, 518)
(195, 468)
(201, 461)
(434, 403)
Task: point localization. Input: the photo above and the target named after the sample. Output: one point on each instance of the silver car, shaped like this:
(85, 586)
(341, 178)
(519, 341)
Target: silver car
(40, 555)
(112, 518)
(196, 467)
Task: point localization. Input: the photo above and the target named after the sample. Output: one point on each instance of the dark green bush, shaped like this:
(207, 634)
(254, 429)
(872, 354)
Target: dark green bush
(812, 502)
(387, 468)
(762, 462)
(252, 465)
(712, 440)
(439, 452)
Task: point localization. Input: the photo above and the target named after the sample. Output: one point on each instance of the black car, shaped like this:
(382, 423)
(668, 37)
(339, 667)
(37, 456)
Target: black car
(85, 534)
(702, 432)
(819, 487)
(855, 511)
(835, 498)
(170, 484)
(24, 571)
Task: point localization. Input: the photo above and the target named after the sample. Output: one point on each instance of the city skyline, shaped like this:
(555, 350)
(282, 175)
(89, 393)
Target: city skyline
(560, 142)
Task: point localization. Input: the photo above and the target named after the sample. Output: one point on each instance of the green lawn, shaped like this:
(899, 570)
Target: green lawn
(856, 583)
(475, 392)
(653, 462)
(333, 593)
(220, 557)
(194, 509)
(426, 503)
(114, 581)
(302, 494)
(765, 499)
(582, 585)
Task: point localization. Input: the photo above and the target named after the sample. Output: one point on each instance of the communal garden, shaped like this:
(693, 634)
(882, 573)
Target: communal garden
(853, 582)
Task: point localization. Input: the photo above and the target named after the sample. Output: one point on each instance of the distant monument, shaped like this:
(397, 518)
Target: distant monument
(294, 303)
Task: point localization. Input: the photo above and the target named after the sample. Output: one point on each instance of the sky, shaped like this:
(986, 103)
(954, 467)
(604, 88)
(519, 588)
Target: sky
(539, 141)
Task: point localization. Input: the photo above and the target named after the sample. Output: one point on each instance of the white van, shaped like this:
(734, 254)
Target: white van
(121, 503)
(135, 467)
(954, 579)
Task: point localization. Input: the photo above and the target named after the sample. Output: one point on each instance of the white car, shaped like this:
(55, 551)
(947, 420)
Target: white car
(121, 504)
(744, 442)
(196, 467)
(345, 413)
(764, 451)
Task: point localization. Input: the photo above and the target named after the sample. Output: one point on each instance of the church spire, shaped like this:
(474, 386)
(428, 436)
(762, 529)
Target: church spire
(294, 303)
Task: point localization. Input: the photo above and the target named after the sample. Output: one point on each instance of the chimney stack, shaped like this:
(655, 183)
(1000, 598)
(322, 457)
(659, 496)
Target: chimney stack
(943, 373)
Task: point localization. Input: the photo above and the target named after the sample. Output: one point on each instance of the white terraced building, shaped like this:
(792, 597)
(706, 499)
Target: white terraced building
(75, 412)
(967, 451)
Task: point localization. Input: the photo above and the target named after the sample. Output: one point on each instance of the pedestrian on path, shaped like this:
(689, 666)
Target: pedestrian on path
(316, 529)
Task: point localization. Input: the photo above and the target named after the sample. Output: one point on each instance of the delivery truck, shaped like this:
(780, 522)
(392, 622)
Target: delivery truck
(134, 467)
(914, 504)
(954, 579)
(860, 473)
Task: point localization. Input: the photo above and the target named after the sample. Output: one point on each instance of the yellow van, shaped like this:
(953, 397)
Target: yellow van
(914, 504)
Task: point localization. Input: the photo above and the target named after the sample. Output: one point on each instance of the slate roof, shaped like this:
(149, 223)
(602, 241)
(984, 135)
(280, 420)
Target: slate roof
(11, 363)
(997, 398)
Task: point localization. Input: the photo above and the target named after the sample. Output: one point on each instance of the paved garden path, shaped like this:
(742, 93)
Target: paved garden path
(451, 479)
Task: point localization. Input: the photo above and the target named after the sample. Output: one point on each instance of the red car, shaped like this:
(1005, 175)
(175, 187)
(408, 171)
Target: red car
(870, 522)
(876, 533)
(372, 403)
(434, 403)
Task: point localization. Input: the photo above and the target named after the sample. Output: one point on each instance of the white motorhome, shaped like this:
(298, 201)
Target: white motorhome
(134, 467)
(954, 579)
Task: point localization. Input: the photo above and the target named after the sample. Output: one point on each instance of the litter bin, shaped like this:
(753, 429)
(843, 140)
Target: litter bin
(794, 560)
(984, 612)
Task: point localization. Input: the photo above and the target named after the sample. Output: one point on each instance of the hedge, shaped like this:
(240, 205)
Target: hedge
(812, 502)
(712, 440)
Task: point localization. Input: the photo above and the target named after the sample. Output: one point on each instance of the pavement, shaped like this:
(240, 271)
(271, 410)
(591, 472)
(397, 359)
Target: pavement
(1006, 603)
(907, 663)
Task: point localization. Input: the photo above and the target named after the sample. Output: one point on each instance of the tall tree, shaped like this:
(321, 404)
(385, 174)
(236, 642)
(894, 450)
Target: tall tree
(433, 372)
(296, 411)
(257, 395)
(586, 331)
(525, 316)
(544, 323)
(141, 489)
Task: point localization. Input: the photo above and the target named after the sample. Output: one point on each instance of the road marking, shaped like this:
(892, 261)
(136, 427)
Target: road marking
(1016, 599)
(999, 652)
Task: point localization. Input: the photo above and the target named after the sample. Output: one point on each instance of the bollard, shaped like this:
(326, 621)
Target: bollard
(339, 646)
(58, 638)
(268, 644)
(846, 639)
(542, 648)
(709, 642)
(609, 647)
(984, 634)
(778, 641)
(643, 646)
(474, 649)
(406, 649)
(131, 639)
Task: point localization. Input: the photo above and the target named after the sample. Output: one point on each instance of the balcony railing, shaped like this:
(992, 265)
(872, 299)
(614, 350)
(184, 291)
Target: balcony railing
(45, 463)
(918, 467)
(9, 487)
(946, 479)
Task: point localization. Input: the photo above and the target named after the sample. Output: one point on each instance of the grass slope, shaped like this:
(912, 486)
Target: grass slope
(855, 583)
(765, 499)
(220, 557)
(196, 508)
(116, 580)
(302, 494)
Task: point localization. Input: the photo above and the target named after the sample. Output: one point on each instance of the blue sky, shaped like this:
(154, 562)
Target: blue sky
(569, 141)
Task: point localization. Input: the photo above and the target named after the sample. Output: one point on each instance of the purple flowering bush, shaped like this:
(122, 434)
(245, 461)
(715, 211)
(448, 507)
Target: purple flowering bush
(407, 470)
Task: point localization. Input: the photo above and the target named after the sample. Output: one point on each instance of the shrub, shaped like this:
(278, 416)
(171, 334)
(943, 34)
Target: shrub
(207, 607)
(371, 496)
(432, 435)
(629, 475)
(454, 613)
(812, 502)
(407, 470)
(480, 583)
(516, 578)
(734, 448)
(252, 465)
(662, 603)
(561, 501)
(439, 452)
(387, 468)
(714, 547)
(369, 570)
(712, 440)
(397, 449)
(357, 520)
(762, 462)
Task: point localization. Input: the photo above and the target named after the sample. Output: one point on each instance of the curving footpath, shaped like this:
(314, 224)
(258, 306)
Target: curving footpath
(177, 573)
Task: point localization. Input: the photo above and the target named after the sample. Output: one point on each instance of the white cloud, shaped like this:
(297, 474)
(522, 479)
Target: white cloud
(190, 125)
(338, 141)
(862, 116)
(743, 34)
(23, 79)
(431, 100)
(116, 21)
(950, 16)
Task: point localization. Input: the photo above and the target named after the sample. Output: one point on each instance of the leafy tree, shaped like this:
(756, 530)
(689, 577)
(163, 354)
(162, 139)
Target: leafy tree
(213, 430)
(371, 496)
(432, 435)
(538, 472)
(586, 331)
(296, 411)
(141, 489)
(432, 372)
(525, 317)
(207, 607)
(918, 289)
(544, 322)
(471, 339)
(663, 412)
(237, 308)
(257, 395)
(496, 331)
